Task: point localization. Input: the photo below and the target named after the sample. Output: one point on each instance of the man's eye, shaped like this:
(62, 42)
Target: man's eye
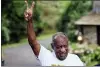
(57, 47)
(65, 46)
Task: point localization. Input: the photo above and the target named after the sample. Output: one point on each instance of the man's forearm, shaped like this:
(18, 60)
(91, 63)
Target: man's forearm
(30, 32)
(32, 38)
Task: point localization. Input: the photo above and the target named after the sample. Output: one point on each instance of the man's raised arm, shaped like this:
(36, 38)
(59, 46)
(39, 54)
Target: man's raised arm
(30, 30)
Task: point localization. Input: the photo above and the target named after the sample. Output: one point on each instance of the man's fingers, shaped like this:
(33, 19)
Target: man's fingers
(33, 3)
(25, 15)
(26, 3)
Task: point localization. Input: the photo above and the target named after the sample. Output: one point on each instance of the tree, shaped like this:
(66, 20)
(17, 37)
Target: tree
(13, 24)
(75, 10)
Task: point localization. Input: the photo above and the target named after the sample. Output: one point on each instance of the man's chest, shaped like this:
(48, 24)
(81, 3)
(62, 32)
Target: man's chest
(54, 62)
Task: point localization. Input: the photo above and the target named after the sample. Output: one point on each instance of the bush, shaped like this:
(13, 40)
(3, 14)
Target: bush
(13, 24)
(92, 59)
(5, 32)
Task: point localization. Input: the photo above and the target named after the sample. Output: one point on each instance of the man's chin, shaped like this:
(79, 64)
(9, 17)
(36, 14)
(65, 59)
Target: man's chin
(62, 58)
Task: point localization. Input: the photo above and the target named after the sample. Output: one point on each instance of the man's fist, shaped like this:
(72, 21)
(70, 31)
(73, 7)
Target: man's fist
(29, 11)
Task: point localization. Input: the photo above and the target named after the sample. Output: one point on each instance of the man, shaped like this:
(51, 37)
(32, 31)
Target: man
(60, 55)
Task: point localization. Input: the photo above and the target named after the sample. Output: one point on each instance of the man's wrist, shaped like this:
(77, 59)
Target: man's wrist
(30, 20)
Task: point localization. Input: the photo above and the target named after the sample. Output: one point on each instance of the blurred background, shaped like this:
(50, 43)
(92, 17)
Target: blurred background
(80, 20)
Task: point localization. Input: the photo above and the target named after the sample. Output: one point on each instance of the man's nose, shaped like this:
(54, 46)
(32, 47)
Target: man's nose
(63, 49)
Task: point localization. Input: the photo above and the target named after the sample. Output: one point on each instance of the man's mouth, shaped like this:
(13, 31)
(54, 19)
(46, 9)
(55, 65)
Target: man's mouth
(62, 55)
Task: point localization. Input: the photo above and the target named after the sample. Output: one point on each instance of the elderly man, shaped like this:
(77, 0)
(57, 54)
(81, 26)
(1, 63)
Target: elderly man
(60, 55)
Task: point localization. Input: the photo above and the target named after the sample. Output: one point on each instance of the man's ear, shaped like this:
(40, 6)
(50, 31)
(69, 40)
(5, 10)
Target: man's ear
(52, 46)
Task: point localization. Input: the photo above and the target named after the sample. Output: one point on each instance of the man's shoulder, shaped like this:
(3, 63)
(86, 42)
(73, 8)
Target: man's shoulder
(70, 54)
(73, 55)
(44, 50)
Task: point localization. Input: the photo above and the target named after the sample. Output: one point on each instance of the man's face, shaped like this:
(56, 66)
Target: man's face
(61, 47)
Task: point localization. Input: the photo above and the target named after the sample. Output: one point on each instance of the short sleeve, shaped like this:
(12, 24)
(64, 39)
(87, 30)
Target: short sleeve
(79, 62)
(44, 55)
(43, 52)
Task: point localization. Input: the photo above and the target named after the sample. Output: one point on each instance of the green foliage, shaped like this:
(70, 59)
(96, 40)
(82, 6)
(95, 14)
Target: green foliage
(38, 25)
(50, 11)
(92, 59)
(46, 14)
(75, 10)
(13, 25)
(89, 54)
(4, 30)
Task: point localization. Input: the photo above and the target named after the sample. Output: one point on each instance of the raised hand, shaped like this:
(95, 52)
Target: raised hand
(29, 11)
